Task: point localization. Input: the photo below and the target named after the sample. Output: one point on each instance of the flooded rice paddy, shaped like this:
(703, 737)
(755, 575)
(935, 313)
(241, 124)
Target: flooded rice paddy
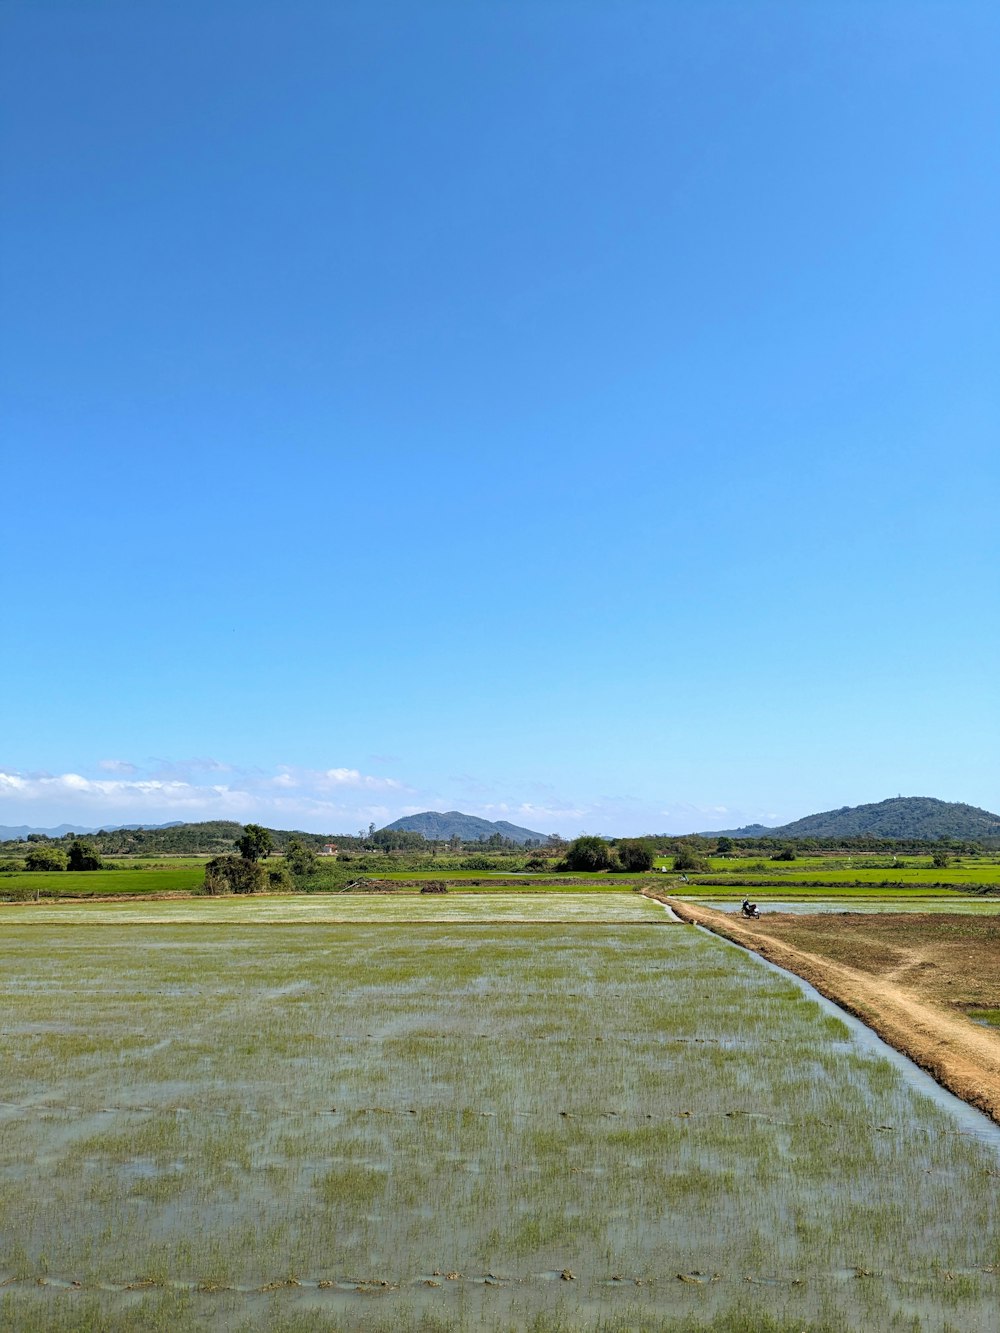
(804, 907)
(412, 908)
(477, 1124)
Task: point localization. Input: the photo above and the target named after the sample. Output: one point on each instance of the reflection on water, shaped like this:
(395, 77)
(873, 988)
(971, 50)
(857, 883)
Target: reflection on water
(970, 1120)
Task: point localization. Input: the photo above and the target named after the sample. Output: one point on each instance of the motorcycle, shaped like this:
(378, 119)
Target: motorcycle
(749, 910)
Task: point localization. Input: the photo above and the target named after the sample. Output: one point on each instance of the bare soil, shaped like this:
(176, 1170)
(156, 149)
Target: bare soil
(909, 976)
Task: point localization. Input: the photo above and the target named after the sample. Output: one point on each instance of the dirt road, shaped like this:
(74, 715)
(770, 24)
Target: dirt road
(907, 976)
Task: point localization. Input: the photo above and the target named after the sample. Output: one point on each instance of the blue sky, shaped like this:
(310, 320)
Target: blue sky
(581, 414)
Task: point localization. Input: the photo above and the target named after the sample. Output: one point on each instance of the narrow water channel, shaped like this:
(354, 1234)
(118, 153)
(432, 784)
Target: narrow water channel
(968, 1119)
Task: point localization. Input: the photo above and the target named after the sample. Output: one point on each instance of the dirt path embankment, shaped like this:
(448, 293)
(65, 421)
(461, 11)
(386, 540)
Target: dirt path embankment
(961, 1056)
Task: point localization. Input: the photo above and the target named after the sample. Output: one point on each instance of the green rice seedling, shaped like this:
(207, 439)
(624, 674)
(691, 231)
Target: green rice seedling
(234, 1103)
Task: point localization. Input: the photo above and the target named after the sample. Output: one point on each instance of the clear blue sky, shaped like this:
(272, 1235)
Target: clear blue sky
(579, 413)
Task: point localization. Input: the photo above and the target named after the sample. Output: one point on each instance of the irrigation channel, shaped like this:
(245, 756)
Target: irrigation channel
(913, 1016)
(970, 1119)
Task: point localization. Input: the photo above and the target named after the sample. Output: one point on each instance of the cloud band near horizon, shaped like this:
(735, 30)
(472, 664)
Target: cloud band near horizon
(333, 800)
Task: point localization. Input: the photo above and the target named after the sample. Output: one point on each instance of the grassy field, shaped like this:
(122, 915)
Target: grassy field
(98, 883)
(186, 875)
(957, 875)
(600, 881)
(481, 881)
(791, 880)
(480, 1124)
(841, 871)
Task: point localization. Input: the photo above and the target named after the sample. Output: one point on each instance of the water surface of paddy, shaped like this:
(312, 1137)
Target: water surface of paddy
(333, 909)
(802, 907)
(371, 1125)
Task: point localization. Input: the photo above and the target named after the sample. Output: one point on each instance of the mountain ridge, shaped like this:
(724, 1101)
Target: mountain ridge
(921, 818)
(436, 826)
(10, 831)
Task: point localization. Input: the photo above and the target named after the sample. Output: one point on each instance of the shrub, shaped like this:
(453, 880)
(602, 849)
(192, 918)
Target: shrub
(82, 857)
(279, 880)
(589, 853)
(434, 886)
(300, 859)
(234, 874)
(41, 857)
(20, 893)
(635, 855)
(686, 860)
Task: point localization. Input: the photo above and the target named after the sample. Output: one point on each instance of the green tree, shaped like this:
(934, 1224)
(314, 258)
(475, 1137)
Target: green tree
(82, 857)
(234, 874)
(725, 846)
(786, 854)
(635, 855)
(686, 860)
(478, 862)
(300, 859)
(254, 842)
(590, 853)
(39, 856)
(278, 880)
(399, 840)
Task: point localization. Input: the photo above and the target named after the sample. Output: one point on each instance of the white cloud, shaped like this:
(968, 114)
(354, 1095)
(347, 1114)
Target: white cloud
(186, 768)
(117, 766)
(327, 801)
(337, 799)
(690, 817)
(350, 777)
(529, 815)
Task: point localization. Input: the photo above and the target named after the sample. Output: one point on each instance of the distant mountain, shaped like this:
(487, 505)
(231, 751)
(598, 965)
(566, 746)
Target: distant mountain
(918, 818)
(9, 831)
(438, 827)
(209, 837)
